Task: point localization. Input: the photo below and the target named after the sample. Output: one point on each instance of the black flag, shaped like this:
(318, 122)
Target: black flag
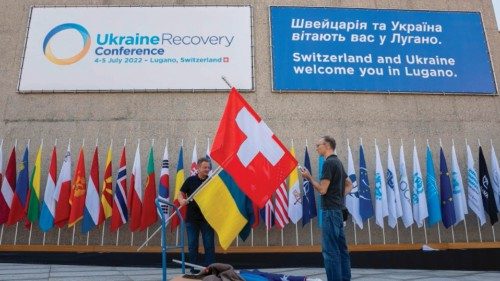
(486, 189)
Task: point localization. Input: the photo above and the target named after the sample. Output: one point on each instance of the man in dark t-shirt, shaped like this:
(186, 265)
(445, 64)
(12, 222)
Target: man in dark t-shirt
(334, 184)
(195, 221)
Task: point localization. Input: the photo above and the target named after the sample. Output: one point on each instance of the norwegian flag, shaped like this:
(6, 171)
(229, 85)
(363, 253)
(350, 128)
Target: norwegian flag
(119, 214)
(281, 205)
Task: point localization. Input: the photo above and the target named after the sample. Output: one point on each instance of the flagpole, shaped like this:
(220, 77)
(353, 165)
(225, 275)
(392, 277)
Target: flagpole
(355, 237)
(117, 236)
(15, 235)
(312, 237)
(425, 233)
(439, 233)
(102, 235)
(397, 229)
(479, 227)
(493, 230)
(29, 238)
(411, 233)
(465, 225)
(132, 239)
(283, 241)
(296, 235)
(43, 241)
(369, 232)
(73, 238)
(88, 234)
(189, 199)
(58, 236)
(453, 233)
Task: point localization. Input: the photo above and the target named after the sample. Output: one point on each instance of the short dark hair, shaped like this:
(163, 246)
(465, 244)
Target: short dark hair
(331, 141)
(203, 159)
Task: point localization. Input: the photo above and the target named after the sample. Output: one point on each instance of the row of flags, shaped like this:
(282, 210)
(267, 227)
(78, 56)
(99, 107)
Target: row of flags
(251, 180)
(67, 201)
(426, 202)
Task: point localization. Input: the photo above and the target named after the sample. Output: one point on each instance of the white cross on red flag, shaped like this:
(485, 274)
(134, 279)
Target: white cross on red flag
(247, 149)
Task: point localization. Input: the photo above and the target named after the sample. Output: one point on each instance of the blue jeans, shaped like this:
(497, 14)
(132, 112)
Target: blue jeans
(207, 233)
(335, 254)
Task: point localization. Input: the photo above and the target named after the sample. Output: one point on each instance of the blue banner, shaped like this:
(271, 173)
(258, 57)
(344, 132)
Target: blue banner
(364, 50)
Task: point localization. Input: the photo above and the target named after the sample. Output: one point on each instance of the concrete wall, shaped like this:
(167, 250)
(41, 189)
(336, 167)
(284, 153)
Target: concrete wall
(298, 116)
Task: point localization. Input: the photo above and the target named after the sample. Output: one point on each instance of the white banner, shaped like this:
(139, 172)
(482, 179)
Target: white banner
(137, 49)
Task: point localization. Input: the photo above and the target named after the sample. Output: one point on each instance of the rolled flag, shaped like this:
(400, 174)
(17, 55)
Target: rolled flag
(393, 198)
(281, 205)
(365, 196)
(107, 188)
(194, 161)
(78, 191)
(135, 192)
(63, 190)
(418, 199)
(404, 190)
(308, 200)
(149, 215)
(49, 203)
(20, 199)
(447, 204)
(294, 196)
(164, 184)
(119, 214)
(8, 187)
(432, 193)
(495, 176)
(352, 198)
(34, 194)
(458, 188)
(486, 189)
(93, 208)
(474, 198)
(381, 209)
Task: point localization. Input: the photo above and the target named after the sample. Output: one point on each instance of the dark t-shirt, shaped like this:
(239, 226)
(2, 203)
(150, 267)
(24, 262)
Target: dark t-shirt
(333, 170)
(193, 213)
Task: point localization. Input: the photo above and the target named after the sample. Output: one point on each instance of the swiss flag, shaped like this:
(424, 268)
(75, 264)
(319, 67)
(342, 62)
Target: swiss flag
(248, 150)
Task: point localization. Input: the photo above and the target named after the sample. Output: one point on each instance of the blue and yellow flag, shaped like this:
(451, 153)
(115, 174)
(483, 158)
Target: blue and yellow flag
(226, 208)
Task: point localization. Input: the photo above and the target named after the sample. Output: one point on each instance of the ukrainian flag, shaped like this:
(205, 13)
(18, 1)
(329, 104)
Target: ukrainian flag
(225, 207)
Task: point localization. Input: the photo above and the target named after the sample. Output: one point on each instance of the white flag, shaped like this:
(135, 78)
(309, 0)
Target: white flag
(419, 202)
(404, 190)
(495, 176)
(194, 161)
(380, 191)
(474, 195)
(294, 196)
(393, 199)
(352, 198)
(458, 188)
(64, 174)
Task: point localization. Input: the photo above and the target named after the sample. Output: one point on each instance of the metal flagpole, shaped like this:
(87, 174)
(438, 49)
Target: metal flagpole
(312, 236)
(425, 232)
(15, 235)
(296, 235)
(58, 236)
(102, 235)
(29, 238)
(439, 233)
(411, 233)
(479, 227)
(189, 199)
(88, 234)
(369, 233)
(466, 234)
(452, 234)
(355, 237)
(117, 236)
(397, 229)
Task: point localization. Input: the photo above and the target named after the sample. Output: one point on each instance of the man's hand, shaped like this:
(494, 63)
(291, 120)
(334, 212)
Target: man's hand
(183, 201)
(305, 173)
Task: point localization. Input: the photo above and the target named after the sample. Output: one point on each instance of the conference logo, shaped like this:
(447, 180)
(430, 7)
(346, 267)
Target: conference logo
(47, 49)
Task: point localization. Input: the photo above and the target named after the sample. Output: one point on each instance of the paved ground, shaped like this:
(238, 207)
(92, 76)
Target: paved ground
(9, 271)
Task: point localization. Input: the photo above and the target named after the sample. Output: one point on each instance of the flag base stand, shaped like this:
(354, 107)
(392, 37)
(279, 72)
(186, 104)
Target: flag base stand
(160, 206)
